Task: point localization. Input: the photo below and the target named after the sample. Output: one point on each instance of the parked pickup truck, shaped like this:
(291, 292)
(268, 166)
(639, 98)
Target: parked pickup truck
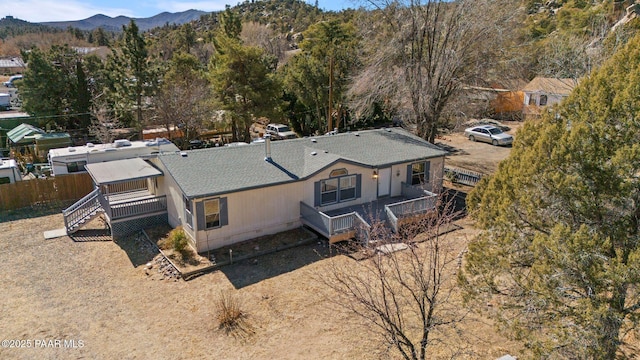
(279, 131)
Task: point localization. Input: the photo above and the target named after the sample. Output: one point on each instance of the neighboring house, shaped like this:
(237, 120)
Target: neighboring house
(14, 65)
(541, 92)
(221, 196)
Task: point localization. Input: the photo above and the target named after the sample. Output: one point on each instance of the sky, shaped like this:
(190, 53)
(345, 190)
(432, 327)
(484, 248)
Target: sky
(70, 10)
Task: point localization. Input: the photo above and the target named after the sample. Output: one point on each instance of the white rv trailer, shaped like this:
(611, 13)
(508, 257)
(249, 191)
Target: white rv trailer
(73, 159)
(9, 171)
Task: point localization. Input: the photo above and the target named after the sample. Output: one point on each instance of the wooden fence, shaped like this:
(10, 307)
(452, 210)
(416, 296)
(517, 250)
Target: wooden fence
(44, 191)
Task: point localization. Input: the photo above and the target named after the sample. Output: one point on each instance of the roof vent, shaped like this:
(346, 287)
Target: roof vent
(356, 134)
(121, 143)
(313, 153)
(326, 152)
(388, 129)
(267, 147)
(183, 153)
(313, 140)
(71, 149)
(90, 145)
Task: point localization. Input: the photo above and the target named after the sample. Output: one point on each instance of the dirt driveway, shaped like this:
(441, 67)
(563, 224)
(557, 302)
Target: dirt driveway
(476, 156)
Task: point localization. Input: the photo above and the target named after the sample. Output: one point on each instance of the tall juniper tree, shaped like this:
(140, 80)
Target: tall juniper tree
(560, 251)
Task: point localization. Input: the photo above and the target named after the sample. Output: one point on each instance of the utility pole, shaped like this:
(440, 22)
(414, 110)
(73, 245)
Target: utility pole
(329, 117)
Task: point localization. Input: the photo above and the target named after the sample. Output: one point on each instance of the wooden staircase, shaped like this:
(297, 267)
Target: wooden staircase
(82, 211)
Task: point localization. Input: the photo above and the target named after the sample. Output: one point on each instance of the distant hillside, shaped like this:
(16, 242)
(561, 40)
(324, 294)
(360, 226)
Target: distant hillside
(115, 24)
(10, 27)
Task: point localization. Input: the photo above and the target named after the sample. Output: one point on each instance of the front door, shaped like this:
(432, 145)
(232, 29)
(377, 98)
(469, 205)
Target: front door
(384, 182)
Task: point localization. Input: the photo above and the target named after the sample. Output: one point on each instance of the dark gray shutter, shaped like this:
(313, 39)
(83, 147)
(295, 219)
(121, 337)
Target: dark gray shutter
(202, 224)
(409, 173)
(224, 214)
(317, 198)
(427, 172)
(358, 185)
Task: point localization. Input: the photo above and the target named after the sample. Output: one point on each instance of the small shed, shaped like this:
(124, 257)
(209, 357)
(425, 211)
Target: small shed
(23, 135)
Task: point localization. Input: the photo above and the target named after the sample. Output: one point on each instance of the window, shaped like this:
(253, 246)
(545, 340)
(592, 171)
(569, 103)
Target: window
(329, 191)
(543, 100)
(338, 172)
(532, 100)
(212, 213)
(338, 189)
(76, 166)
(420, 173)
(188, 217)
(347, 188)
(5, 180)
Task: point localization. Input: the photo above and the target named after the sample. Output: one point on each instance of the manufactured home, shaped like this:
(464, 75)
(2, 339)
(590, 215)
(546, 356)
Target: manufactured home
(334, 185)
(74, 158)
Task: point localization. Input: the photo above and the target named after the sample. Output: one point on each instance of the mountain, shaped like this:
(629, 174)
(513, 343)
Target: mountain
(115, 24)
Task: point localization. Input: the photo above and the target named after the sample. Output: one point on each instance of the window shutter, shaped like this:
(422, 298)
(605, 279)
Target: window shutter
(427, 172)
(317, 200)
(409, 173)
(224, 215)
(200, 215)
(358, 185)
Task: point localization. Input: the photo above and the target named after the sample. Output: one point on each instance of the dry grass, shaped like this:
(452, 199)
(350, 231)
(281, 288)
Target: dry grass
(231, 318)
(99, 293)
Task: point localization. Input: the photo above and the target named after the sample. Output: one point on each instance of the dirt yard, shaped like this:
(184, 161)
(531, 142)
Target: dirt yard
(96, 296)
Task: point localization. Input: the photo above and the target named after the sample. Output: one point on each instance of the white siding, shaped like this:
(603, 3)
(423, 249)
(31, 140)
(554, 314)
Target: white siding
(257, 212)
(254, 213)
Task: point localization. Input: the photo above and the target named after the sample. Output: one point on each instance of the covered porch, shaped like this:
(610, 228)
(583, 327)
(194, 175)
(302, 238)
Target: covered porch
(354, 221)
(126, 192)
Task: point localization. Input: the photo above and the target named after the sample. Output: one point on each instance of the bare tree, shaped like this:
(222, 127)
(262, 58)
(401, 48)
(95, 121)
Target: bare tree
(408, 295)
(425, 51)
(184, 97)
(101, 123)
(262, 36)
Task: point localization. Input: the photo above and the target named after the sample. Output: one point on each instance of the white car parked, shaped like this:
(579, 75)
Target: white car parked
(11, 80)
(489, 134)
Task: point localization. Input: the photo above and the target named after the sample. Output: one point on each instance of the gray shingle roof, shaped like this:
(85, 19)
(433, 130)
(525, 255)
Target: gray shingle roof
(111, 172)
(222, 170)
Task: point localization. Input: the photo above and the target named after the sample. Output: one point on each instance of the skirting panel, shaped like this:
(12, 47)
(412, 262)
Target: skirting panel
(127, 227)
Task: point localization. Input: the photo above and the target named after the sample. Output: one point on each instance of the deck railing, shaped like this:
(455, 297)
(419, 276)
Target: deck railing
(134, 185)
(363, 229)
(80, 211)
(391, 218)
(413, 206)
(138, 207)
(328, 225)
